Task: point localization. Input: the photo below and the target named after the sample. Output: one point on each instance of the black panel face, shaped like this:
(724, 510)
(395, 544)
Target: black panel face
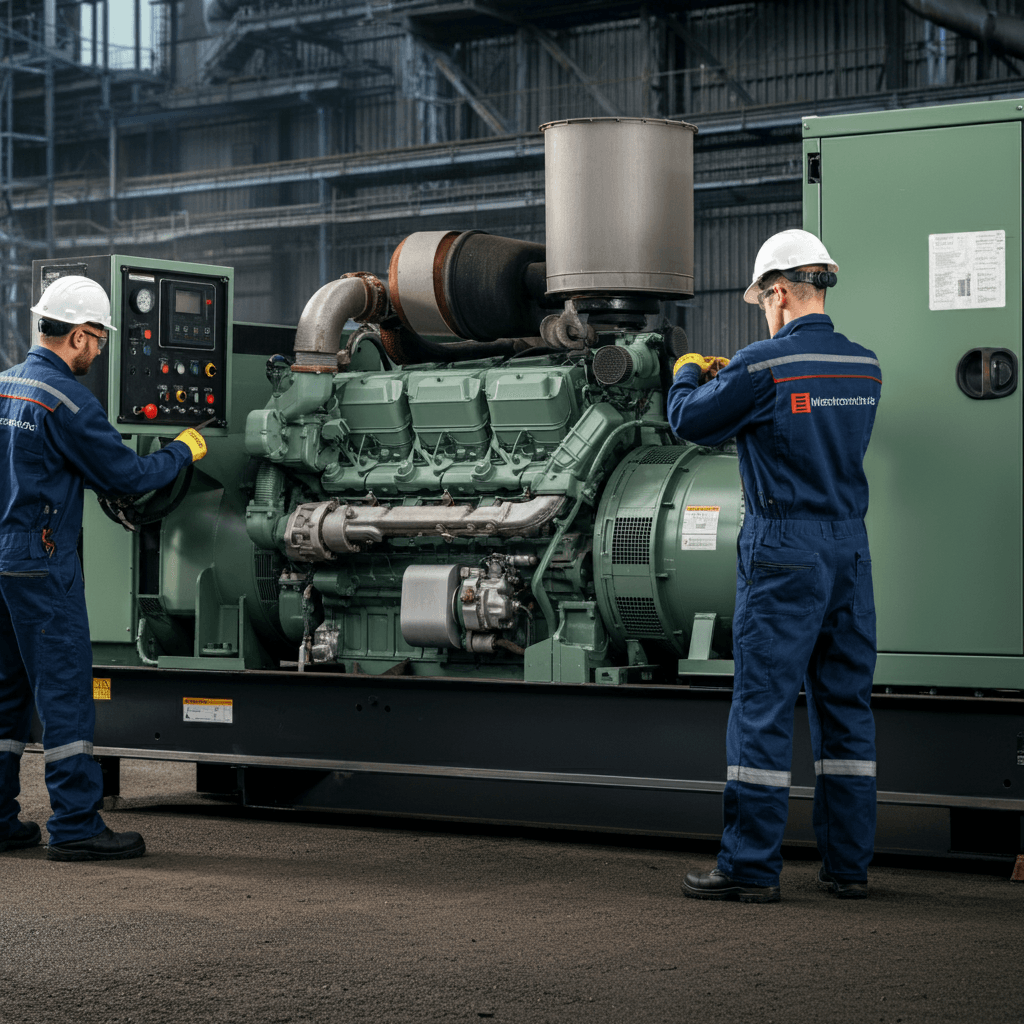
(173, 349)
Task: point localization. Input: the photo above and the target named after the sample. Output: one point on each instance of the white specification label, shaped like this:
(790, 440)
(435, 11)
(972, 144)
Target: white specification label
(206, 709)
(967, 270)
(700, 527)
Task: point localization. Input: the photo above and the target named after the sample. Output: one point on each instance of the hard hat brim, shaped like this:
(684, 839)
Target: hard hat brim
(76, 323)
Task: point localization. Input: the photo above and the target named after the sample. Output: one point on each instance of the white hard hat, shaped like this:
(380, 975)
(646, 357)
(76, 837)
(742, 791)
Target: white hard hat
(784, 251)
(75, 300)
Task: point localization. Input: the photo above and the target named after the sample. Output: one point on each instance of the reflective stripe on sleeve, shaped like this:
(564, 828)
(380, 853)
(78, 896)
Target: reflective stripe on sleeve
(811, 357)
(25, 381)
(757, 776)
(12, 747)
(68, 750)
(826, 767)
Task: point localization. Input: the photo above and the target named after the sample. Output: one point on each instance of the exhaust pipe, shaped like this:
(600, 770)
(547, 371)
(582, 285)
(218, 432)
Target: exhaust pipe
(358, 296)
(999, 32)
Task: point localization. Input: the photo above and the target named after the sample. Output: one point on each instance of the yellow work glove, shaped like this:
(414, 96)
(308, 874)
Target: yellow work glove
(194, 441)
(691, 357)
(716, 363)
(708, 365)
(705, 363)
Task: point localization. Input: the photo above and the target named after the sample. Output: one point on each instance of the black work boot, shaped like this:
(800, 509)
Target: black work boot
(25, 834)
(106, 846)
(717, 885)
(842, 890)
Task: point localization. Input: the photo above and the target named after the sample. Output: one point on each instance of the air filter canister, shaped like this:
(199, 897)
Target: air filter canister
(619, 206)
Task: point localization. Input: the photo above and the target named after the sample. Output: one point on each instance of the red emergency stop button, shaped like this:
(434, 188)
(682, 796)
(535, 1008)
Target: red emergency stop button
(164, 368)
(149, 411)
(210, 399)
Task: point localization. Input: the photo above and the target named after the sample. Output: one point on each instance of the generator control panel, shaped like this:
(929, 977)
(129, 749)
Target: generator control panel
(167, 366)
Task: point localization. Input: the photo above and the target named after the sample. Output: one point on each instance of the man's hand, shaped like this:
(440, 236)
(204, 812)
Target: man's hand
(709, 365)
(711, 371)
(194, 441)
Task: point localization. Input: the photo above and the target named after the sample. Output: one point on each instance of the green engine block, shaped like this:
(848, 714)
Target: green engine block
(511, 518)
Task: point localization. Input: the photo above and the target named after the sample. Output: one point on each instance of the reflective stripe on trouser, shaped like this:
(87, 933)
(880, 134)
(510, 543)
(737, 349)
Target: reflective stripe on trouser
(45, 656)
(804, 615)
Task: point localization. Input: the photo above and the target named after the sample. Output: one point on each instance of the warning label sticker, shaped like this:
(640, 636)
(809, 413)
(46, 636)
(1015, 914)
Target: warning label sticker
(100, 689)
(700, 527)
(967, 270)
(207, 709)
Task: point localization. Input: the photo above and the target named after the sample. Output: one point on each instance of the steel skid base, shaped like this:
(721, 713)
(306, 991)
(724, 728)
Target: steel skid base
(643, 759)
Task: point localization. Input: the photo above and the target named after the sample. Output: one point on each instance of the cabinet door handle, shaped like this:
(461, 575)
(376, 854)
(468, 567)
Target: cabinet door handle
(987, 373)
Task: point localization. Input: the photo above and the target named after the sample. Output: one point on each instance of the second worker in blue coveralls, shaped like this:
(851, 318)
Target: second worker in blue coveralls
(801, 406)
(55, 439)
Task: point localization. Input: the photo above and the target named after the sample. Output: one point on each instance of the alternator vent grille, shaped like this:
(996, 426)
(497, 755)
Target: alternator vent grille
(631, 540)
(660, 456)
(151, 607)
(266, 572)
(639, 616)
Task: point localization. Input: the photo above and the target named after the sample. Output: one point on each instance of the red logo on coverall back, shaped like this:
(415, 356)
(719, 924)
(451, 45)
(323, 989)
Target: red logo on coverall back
(801, 403)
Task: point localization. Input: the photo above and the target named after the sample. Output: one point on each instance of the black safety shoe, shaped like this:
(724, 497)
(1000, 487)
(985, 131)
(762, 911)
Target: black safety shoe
(25, 835)
(106, 846)
(717, 885)
(842, 890)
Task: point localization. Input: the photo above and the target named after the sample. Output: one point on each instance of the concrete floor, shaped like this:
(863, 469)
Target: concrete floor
(263, 917)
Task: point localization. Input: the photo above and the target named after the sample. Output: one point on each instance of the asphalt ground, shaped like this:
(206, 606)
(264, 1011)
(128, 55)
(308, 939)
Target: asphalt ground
(265, 917)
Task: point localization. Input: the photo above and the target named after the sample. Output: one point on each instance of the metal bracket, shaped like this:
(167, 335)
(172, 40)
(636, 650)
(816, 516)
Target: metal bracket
(701, 635)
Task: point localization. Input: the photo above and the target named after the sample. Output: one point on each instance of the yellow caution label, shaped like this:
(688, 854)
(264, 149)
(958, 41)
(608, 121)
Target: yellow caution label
(100, 689)
(207, 709)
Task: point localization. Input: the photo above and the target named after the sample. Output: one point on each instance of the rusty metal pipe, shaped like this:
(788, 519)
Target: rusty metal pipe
(358, 296)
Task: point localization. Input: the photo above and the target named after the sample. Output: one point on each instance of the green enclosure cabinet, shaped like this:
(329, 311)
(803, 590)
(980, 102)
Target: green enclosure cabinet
(922, 212)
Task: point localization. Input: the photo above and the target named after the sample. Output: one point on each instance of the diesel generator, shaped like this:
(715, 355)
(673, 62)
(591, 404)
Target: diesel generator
(445, 557)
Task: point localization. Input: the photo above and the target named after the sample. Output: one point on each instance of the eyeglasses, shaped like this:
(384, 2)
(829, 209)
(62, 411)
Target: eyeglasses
(101, 339)
(763, 297)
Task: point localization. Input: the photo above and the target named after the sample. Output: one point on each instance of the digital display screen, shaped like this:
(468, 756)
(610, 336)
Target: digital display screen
(186, 301)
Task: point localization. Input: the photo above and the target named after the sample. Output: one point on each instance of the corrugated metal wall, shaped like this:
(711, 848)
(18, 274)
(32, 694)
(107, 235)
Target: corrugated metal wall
(717, 320)
(700, 62)
(705, 61)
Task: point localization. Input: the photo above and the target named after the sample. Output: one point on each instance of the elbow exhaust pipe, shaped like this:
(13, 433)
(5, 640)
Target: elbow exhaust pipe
(357, 296)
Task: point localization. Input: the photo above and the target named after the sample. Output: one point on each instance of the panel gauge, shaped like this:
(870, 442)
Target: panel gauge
(143, 300)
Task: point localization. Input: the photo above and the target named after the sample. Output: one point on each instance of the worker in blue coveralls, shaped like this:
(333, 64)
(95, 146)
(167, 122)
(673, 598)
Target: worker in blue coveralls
(801, 406)
(55, 440)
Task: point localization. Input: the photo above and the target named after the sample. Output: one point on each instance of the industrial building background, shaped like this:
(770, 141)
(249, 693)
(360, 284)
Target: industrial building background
(296, 140)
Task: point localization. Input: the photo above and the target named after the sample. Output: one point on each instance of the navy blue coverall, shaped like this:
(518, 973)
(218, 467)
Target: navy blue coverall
(801, 407)
(55, 439)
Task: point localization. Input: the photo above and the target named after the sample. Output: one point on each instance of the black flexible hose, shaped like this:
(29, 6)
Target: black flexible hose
(370, 335)
(455, 351)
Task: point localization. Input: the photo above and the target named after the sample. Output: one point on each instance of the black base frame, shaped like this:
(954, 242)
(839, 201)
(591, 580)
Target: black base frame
(643, 759)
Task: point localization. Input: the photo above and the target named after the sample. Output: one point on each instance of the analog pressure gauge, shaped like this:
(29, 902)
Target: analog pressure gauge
(142, 300)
